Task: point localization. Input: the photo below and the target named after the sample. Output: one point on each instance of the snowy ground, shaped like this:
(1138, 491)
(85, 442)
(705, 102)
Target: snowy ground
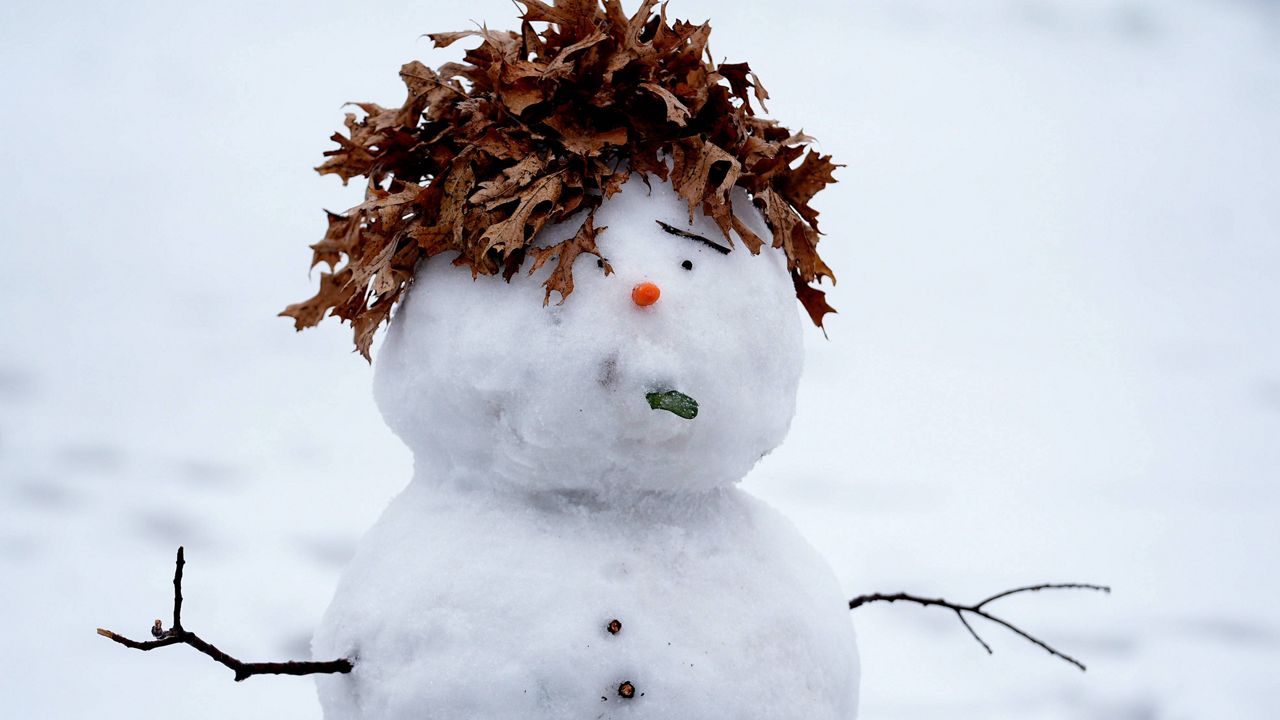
(1058, 356)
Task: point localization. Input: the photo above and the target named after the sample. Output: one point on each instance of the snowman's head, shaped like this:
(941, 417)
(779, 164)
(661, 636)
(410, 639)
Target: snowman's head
(484, 381)
(506, 165)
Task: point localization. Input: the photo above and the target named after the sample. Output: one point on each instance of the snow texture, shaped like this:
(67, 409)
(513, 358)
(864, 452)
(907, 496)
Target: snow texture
(550, 498)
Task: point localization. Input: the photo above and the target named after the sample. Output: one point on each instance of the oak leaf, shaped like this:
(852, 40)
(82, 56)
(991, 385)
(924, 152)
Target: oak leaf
(676, 111)
(565, 253)
(813, 300)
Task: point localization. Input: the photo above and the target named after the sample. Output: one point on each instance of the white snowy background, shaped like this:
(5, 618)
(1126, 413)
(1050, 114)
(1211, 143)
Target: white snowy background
(1057, 358)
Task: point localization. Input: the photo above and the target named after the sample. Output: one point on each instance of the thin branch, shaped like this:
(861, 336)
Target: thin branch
(974, 633)
(177, 592)
(178, 635)
(1045, 586)
(977, 609)
(693, 236)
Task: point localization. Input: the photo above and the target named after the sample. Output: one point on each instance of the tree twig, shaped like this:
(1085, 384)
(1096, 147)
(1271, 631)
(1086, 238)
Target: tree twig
(693, 236)
(977, 609)
(178, 635)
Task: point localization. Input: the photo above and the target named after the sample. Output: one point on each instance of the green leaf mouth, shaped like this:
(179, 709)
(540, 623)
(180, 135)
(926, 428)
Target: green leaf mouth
(674, 402)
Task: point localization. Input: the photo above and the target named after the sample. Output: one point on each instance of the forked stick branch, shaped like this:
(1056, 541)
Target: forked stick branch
(977, 609)
(178, 635)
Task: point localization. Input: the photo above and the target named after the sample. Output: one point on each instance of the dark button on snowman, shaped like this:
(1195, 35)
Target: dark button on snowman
(572, 544)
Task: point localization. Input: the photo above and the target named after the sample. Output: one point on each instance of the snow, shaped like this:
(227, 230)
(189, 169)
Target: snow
(1055, 359)
(466, 602)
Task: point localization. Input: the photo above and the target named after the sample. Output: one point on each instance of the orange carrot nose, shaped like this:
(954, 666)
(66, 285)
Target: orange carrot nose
(645, 294)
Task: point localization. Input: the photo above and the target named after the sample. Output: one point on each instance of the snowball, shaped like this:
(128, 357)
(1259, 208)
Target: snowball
(465, 603)
(481, 380)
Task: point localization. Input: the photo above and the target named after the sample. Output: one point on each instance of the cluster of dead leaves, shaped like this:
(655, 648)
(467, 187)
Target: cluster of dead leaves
(537, 125)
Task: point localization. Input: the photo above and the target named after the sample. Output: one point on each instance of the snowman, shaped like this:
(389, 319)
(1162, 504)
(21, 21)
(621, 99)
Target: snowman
(594, 251)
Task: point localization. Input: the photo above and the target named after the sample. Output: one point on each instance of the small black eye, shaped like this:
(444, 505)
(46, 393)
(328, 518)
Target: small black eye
(600, 263)
(687, 265)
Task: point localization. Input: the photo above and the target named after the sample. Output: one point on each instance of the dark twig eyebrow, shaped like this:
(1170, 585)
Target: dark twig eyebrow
(686, 234)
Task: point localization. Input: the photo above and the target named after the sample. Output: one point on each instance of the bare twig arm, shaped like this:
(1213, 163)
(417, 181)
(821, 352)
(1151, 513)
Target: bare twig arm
(977, 609)
(1045, 586)
(177, 590)
(178, 635)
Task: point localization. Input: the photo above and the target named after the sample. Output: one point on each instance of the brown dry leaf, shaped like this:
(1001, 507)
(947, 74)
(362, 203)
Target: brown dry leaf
(585, 141)
(760, 93)
(813, 300)
(566, 252)
(613, 182)
(803, 251)
(367, 322)
(342, 236)
(804, 182)
(538, 11)
(311, 311)
(537, 125)
(703, 173)
(794, 235)
(446, 232)
(562, 65)
(676, 111)
(521, 94)
(509, 180)
(530, 42)
(741, 79)
(748, 236)
(531, 213)
(445, 39)
(350, 160)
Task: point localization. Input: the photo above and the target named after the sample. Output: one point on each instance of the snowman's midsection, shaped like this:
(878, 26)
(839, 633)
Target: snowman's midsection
(720, 597)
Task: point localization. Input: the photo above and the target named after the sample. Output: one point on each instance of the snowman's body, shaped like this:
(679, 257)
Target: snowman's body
(549, 498)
